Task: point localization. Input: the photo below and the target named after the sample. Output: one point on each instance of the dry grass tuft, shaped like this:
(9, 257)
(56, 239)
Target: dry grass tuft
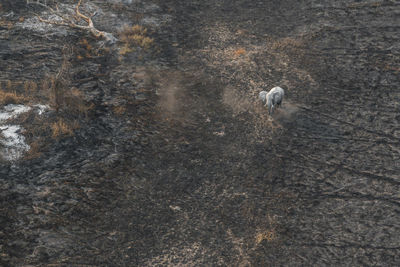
(62, 128)
(126, 49)
(30, 87)
(134, 36)
(84, 42)
(239, 52)
(85, 50)
(268, 235)
(6, 24)
(119, 110)
(12, 98)
(287, 43)
(241, 32)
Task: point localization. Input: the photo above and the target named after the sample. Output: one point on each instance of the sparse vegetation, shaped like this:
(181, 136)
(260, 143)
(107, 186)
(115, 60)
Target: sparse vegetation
(53, 90)
(87, 49)
(73, 20)
(239, 52)
(6, 24)
(119, 110)
(30, 87)
(268, 235)
(62, 128)
(175, 162)
(286, 43)
(34, 151)
(132, 37)
(11, 98)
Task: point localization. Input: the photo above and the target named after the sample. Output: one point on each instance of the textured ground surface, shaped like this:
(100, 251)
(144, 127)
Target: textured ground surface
(193, 172)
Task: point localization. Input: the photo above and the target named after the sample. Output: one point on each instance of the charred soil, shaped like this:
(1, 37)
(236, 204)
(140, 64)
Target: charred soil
(156, 152)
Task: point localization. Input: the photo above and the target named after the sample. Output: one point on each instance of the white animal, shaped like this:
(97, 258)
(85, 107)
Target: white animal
(272, 99)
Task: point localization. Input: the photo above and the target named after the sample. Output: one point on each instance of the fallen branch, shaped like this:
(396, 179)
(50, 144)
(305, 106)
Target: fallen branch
(72, 21)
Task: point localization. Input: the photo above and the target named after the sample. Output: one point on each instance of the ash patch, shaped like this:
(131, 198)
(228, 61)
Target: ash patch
(13, 142)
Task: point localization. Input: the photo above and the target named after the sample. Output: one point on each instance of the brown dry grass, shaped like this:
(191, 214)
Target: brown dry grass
(62, 128)
(6, 24)
(86, 50)
(125, 49)
(269, 235)
(134, 36)
(30, 87)
(287, 43)
(239, 52)
(23, 92)
(34, 151)
(12, 98)
(49, 90)
(119, 110)
(56, 91)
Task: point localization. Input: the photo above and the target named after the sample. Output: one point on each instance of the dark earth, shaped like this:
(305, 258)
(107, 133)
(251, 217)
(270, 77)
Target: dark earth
(191, 171)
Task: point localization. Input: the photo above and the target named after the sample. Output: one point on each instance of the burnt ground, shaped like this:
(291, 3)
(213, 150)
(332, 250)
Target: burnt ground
(191, 171)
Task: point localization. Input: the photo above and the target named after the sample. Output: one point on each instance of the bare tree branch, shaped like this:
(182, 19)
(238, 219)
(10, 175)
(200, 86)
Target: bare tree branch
(73, 21)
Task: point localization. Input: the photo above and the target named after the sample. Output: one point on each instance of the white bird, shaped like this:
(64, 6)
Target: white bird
(273, 98)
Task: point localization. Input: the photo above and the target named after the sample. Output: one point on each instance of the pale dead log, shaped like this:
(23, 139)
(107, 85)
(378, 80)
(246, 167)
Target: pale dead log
(72, 21)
